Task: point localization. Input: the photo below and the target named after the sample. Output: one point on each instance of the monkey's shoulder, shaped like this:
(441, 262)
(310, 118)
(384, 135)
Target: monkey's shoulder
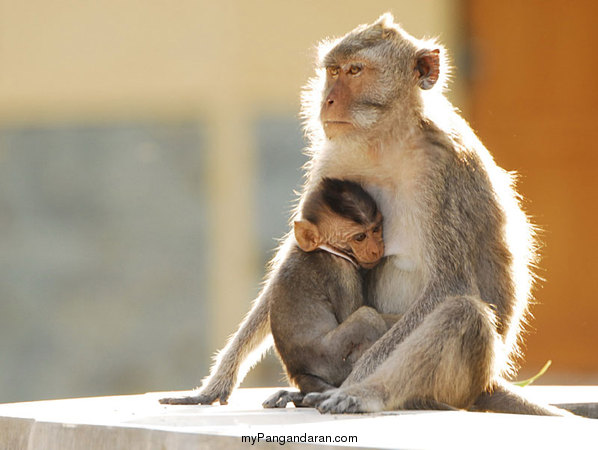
(316, 276)
(461, 178)
(456, 151)
(318, 268)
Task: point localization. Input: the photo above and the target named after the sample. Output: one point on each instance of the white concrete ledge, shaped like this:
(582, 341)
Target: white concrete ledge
(140, 422)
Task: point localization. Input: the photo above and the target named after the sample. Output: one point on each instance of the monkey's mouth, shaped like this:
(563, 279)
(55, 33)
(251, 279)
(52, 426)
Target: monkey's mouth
(369, 265)
(350, 255)
(337, 128)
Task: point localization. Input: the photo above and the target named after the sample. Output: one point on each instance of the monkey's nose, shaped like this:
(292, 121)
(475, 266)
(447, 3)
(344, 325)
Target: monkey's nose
(330, 101)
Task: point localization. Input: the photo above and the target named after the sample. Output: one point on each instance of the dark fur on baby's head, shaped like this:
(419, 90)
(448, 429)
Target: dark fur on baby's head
(345, 198)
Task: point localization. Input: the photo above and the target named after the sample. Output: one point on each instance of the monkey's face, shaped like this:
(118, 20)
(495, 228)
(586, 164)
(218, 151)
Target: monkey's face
(374, 76)
(363, 243)
(351, 102)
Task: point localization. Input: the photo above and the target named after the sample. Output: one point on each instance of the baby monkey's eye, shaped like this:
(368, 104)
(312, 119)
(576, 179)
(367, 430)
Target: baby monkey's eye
(377, 228)
(354, 70)
(333, 71)
(359, 237)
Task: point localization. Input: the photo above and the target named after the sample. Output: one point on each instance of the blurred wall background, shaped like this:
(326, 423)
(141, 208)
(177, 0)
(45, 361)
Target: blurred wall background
(149, 152)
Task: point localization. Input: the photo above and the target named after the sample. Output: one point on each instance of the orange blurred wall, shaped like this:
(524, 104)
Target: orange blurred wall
(534, 104)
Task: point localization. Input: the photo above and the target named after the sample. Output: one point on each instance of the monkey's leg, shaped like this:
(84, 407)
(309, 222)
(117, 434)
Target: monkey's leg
(448, 359)
(246, 344)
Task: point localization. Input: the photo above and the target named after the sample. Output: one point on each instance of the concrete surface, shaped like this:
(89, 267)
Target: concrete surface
(140, 422)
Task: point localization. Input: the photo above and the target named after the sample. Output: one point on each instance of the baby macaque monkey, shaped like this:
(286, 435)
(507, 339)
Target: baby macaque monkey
(318, 318)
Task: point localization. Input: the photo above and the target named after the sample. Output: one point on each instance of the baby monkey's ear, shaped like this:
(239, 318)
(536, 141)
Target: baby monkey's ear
(306, 235)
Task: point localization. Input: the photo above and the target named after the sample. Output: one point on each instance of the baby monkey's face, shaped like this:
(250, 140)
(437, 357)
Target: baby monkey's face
(361, 242)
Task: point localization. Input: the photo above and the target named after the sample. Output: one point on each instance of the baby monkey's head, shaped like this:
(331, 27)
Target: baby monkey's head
(341, 216)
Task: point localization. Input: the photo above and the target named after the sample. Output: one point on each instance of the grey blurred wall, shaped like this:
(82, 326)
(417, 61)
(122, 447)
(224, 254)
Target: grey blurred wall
(102, 237)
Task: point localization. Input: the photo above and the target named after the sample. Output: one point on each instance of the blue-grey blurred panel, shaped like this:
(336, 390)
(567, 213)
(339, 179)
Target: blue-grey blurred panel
(280, 143)
(102, 259)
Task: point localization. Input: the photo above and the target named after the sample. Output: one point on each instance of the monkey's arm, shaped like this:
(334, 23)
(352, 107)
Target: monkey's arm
(242, 350)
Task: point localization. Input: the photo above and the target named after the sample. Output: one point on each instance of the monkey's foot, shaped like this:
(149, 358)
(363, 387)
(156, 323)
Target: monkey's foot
(343, 401)
(281, 398)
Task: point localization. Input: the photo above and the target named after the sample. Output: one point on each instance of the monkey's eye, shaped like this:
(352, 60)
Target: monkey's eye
(354, 70)
(333, 71)
(359, 237)
(377, 228)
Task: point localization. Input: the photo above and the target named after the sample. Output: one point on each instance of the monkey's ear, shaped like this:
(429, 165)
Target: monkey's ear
(306, 235)
(427, 67)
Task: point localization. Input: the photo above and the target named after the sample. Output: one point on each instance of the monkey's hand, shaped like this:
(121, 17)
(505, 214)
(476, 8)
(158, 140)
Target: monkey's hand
(355, 399)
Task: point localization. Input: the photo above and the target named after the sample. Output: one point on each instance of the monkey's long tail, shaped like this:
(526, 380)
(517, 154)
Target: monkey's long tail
(509, 399)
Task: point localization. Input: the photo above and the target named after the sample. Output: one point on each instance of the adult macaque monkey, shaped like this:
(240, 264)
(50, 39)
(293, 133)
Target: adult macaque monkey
(459, 248)
(318, 318)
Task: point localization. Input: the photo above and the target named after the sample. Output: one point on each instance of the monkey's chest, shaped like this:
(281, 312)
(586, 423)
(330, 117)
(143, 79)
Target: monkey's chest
(400, 281)
(392, 290)
(403, 223)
